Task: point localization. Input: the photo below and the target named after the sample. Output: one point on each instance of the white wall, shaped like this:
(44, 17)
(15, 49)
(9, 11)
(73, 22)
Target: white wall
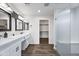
(35, 28)
(52, 30)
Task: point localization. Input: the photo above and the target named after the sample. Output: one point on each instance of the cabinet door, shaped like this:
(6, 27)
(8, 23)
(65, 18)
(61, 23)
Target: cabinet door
(5, 52)
(24, 44)
(15, 49)
(28, 38)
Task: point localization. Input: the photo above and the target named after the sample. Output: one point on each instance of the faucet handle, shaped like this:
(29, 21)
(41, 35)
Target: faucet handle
(21, 32)
(13, 34)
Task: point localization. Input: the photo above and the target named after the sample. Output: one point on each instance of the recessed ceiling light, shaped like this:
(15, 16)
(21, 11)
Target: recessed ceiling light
(39, 11)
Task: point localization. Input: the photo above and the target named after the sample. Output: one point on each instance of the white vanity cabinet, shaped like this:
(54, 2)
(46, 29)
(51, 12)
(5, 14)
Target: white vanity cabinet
(26, 42)
(29, 39)
(12, 50)
(5, 52)
(15, 49)
(13, 46)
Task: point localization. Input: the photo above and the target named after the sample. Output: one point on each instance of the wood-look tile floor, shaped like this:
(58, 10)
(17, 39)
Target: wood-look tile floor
(43, 40)
(40, 50)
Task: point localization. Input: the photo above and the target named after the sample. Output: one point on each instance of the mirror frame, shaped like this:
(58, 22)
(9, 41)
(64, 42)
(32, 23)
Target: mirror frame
(9, 21)
(16, 25)
(27, 26)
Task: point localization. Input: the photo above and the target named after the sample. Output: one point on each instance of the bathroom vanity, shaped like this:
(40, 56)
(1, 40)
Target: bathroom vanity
(13, 45)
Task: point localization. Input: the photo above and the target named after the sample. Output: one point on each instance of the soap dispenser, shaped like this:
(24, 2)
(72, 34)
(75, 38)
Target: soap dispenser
(5, 35)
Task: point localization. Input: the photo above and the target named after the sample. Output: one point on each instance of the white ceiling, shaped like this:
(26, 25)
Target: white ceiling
(31, 10)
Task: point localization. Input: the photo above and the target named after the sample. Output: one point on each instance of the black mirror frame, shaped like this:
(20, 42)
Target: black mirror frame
(9, 21)
(27, 26)
(16, 25)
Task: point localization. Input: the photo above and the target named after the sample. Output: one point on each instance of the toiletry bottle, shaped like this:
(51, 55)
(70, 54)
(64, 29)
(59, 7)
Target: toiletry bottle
(5, 35)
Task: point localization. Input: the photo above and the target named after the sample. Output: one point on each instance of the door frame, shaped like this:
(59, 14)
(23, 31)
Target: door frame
(48, 28)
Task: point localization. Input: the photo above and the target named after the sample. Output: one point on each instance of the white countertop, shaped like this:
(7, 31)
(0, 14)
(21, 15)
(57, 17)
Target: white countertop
(4, 41)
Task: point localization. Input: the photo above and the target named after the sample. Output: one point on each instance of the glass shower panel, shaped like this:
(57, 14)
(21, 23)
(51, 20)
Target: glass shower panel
(63, 30)
(75, 31)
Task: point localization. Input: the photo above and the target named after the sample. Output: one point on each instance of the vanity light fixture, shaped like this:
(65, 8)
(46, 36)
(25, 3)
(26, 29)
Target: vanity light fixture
(5, 6)
(20, 17)
(9, 9)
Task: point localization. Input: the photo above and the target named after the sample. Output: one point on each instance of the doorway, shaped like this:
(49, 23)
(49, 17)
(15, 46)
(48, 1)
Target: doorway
(44, 32)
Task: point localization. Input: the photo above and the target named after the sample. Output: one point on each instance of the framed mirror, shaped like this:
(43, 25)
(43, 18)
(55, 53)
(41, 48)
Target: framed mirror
(26, 26)
(18, 25)
(5, 20)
